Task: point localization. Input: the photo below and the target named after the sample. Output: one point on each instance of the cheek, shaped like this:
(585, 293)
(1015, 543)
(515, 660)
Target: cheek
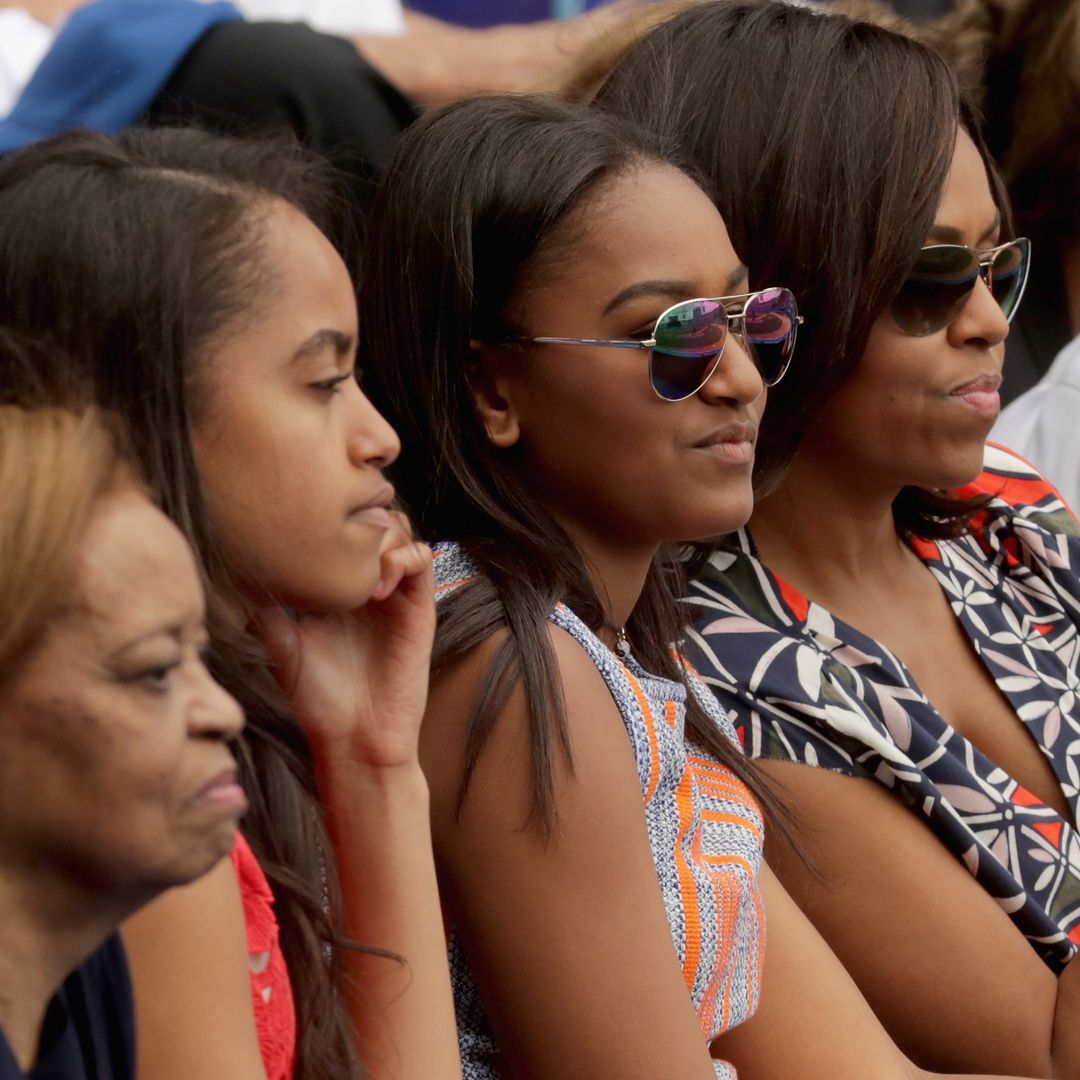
(246, 450)
(887, 397)
(894, 419)
(93, 779)
(250, 502)
(278, 485)
(114, 739)
(593, 421)
(615, 457)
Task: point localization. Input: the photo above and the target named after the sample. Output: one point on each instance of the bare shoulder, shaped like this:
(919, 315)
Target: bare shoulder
(546, 917)
(900, 909)
(840, 818)
(596, 732)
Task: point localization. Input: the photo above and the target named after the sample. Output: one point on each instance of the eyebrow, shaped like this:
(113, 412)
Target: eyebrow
(678, 289)
(325, 339)
(174, 631)
(946, 234)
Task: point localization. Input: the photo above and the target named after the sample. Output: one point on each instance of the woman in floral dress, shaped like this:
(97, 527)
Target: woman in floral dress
(901, 613)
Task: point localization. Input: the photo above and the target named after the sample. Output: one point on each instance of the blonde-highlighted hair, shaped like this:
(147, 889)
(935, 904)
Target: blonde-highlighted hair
(55, 465)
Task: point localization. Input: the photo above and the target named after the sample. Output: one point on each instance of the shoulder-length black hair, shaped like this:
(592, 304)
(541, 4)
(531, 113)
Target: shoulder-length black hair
(472, 204)
(825, 143)
(129, 255)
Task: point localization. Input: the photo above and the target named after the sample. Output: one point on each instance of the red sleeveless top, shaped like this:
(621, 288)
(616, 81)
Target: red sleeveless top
(271, 991)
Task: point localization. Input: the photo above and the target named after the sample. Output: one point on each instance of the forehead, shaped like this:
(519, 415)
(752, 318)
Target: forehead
(135, 570)
(967, 202)
(303, 267)
(295, 284)
(650, 222)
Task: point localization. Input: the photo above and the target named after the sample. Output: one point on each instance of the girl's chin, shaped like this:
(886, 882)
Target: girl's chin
(332, 596)
(734, 515)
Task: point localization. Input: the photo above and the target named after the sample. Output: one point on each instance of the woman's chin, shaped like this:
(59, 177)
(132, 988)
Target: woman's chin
(329, 595)
(731, 515)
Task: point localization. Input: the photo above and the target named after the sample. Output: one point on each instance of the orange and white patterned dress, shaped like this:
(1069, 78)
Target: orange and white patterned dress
(705, 830)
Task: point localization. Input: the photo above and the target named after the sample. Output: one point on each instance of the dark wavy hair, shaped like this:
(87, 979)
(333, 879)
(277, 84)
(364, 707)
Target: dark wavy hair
(825, 143)
(471, 208)
(128, 256)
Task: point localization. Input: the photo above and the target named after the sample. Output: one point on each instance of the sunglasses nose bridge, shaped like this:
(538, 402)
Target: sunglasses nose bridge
(980, 315)
(734, 376)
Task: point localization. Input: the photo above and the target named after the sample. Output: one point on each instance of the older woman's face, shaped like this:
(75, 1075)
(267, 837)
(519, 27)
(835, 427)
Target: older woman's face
(910, 414)
(116, 776)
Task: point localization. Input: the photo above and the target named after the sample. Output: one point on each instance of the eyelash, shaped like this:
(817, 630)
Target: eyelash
(156, 678)
(330, 386)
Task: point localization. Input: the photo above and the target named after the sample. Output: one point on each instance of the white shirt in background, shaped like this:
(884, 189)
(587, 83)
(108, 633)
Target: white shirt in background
(23, 42)
(344, 17)
(1043, 425)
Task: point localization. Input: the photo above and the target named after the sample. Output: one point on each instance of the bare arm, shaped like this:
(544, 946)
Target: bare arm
(402, 1010)
(941, 964)
(812, 1020)
(358, 684)
(567, 939)
(189, 967)
(437, 62)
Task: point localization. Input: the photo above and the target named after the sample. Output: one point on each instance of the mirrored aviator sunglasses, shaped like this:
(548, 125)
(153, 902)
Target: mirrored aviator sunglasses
(689, 338)
(944, 276)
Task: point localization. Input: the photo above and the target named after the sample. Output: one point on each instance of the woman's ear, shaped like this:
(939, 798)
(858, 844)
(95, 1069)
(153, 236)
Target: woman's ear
(491, 391)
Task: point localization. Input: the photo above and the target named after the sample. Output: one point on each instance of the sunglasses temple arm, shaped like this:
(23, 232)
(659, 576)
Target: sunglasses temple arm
(650, 343)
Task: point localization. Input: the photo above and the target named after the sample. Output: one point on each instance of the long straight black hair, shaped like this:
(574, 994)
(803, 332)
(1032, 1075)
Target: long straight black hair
(471, 206)
(127, 257)
(825, 143)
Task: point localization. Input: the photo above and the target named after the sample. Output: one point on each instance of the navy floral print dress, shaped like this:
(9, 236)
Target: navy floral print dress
(803, 686)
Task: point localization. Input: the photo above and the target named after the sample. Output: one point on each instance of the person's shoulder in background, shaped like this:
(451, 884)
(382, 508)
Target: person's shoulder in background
(1043, 425)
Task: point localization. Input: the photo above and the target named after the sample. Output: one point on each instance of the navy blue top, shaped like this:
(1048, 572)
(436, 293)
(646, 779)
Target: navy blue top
(89, 1028)
(493, 12)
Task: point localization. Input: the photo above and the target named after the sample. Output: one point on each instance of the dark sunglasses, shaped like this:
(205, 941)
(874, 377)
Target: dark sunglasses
(688, 339)
(944, 277)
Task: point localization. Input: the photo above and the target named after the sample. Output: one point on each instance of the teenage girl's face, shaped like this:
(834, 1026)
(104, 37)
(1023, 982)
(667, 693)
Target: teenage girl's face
(907, 415)
(116, 774)
(289, 449)
(598, 446)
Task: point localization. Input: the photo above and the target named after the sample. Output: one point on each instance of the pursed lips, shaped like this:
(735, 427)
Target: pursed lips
(986, 383)
(223, 790)
(733, 433)
(732, 444)
(376, 510)
(980, 394)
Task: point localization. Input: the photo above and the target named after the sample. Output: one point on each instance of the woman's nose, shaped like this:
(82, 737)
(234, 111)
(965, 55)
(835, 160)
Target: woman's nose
(736, 377)
(371, 439)
(980, 320)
